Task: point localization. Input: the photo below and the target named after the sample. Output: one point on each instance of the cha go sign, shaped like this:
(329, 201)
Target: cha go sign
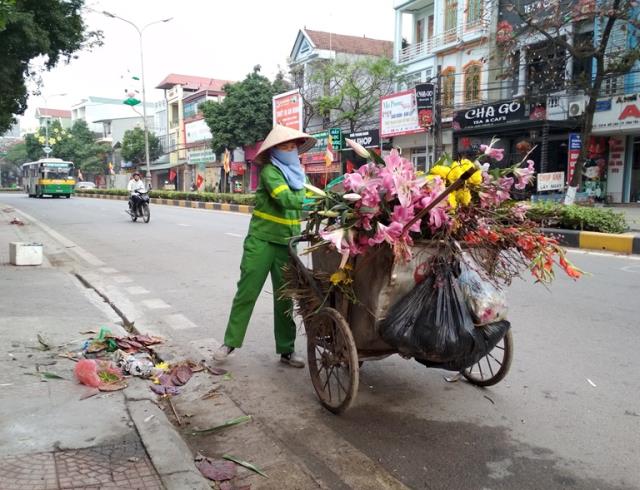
(488, 115)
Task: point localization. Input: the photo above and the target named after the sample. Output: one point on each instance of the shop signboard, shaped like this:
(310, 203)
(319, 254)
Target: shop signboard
(368, 139)
(424, 100)
(511, 22)
(575, 143)
(197, 131)
(622, 113)
(287, 110)
(552, 181)
(399, 114)
(318, 152)
(195, 157)
(490, 114)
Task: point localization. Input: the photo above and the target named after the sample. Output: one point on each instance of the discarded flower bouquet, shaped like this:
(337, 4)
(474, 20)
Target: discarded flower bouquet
(385, 203)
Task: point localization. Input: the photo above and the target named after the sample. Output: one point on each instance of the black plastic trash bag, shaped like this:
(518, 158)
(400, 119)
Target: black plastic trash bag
(486, 338)
(432, 322)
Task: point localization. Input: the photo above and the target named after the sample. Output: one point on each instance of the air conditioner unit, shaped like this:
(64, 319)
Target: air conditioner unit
(576, 108)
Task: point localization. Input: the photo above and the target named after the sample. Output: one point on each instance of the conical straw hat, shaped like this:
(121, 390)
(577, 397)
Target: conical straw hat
(282, 134)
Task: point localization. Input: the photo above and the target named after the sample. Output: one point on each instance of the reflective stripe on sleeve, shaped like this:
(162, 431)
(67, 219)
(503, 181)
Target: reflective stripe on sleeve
(275, 219)
(279, 189)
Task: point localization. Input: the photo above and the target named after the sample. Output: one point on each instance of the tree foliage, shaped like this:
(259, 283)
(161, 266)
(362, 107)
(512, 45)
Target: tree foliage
(133, 146)
(245, 115)
(29, 29)
(591, 33)
(77, 145)
(347, 93)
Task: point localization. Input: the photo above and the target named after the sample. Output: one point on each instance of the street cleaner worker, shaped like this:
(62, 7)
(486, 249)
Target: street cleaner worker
(276, 218)
(134, 185)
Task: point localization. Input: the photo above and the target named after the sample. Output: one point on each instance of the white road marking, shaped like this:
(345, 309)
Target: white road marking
(184, 224)
(631, 268)
(122, 279)
(180, 322)
(155, 304)
(135, 290)
(65, 242)
(604, 254)
(236, 235)
(108, 270)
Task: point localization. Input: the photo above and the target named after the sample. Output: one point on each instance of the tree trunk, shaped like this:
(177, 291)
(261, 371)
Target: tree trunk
(593, 92)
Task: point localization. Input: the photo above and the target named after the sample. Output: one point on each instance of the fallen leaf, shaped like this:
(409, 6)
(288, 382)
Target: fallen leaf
(118, 385)
(216, 470)
(49, 375)
(224, 425)
(180, 375)
(164, 389)
(245, 464)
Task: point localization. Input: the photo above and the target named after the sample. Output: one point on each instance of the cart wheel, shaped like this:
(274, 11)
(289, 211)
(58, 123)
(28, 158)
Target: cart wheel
(333, 360)
(493, 367)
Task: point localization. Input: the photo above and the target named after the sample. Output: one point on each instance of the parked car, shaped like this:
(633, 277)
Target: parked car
(85, 185)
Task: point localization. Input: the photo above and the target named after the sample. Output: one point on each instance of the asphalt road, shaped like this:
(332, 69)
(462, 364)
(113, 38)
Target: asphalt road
(566, 416)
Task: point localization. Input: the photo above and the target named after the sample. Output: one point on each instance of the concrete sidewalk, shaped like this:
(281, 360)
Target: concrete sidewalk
(56, 433)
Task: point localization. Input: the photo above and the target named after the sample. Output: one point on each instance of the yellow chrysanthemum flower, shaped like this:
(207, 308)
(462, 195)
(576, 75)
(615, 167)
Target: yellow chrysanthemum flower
(463, 196)
(452, 201)
(455, 174)
(440, 171)
(476, 178)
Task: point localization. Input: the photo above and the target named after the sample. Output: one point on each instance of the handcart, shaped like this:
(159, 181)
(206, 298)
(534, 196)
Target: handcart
(341, 334)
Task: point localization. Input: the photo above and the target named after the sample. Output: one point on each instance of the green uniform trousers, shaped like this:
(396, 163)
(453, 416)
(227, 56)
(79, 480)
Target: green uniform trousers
(259, 259)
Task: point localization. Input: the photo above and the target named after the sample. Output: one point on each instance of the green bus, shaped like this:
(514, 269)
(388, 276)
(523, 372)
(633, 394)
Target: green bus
(48, 176)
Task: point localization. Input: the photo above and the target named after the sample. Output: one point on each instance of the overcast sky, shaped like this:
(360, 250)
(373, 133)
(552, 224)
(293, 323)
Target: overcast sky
(212, 38)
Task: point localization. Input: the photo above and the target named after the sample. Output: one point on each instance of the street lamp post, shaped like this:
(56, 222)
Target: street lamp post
(144, 94)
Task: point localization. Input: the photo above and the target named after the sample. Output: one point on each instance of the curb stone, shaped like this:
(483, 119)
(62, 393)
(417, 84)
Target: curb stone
(168, 452)
(215, 206)
(624, 243)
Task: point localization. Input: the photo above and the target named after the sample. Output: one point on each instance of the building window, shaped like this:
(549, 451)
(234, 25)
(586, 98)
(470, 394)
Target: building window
(450, 19)
(472, 73)
(474, 12)
(448, 87)
(419, 31)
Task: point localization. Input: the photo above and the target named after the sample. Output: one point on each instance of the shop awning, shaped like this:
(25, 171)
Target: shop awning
(164, 166)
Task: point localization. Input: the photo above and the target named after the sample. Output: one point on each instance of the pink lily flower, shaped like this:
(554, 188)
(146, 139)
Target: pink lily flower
(524, 175)
(496, 153)
(389, 234)
(403, 215)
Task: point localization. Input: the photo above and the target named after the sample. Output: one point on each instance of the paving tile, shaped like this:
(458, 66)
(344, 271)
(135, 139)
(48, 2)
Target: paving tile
(28, 471)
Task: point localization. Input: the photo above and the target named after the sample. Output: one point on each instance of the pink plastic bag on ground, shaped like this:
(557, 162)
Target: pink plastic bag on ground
(86, 371)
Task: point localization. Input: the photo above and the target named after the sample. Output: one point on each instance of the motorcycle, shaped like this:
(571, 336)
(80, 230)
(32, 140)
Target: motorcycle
(139, 207)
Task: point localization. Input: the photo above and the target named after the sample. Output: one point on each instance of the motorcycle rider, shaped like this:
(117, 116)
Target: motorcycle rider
(135, 184)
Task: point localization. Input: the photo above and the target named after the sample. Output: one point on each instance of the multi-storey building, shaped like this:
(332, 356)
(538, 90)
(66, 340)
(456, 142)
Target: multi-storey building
(445, 42)
(188, 139)
(93, 109)
(311, 50)
(616, 124)
(61, 115)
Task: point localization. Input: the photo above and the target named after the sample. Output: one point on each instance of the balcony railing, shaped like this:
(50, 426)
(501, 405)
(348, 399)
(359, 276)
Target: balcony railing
(460, 34)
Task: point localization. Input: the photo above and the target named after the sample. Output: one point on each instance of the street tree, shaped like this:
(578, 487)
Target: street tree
(133, 146)
(13, 156)
(77, 145)
(592, 34)
(245, 115)
(52, 29)
(347, 93)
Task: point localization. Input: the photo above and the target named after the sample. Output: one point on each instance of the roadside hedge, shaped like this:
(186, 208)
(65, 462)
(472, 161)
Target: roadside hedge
(248, 199)
(575, 217)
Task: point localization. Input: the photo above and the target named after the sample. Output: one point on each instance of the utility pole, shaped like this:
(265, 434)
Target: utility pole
(140, 31)
(437, 127)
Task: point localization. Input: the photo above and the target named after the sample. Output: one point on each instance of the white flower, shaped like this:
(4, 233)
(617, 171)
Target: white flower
(352, 197)
(358, 148)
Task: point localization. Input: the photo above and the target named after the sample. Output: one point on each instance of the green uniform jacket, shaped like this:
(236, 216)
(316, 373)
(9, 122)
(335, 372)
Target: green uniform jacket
(276, 216)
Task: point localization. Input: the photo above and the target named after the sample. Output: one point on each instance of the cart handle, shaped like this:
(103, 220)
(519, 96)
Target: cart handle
(453, 187)
(293, 254)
